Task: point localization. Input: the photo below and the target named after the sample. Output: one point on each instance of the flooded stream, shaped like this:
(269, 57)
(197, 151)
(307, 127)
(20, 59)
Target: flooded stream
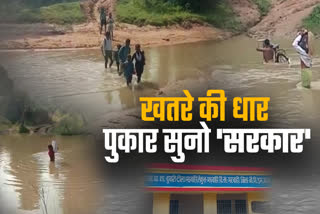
(77, 184)
(31, 183)
(76, 80)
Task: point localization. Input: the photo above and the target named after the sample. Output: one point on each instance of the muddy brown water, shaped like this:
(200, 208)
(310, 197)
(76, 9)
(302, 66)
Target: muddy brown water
(28, 179)
(73, 184)
(76, 80)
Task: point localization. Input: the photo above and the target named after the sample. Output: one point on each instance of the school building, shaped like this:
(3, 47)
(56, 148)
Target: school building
(190, 189)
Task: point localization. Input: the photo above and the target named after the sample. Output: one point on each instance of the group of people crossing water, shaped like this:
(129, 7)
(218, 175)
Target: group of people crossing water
(127, 64)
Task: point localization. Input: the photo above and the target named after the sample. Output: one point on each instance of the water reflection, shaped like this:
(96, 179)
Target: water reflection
(30, 182)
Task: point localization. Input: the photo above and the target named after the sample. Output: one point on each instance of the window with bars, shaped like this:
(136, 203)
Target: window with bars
(224, 206)
(174, 207)
(241, 206)
(232, 207)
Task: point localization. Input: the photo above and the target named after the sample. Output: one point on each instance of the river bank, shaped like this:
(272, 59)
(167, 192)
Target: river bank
(44, 36)
(282, 19)
(19, 113)
(87, 35)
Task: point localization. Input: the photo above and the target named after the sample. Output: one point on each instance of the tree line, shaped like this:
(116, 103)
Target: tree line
(30, 3)
(191, 5)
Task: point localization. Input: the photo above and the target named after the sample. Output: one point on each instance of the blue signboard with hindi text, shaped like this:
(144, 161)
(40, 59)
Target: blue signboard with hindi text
(179, 180)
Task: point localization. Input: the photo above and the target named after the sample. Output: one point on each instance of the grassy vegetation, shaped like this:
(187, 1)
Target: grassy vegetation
(60, 13)
(312, 22)
(68, 124)
(165, 13)
(263, 5)
(4, 124)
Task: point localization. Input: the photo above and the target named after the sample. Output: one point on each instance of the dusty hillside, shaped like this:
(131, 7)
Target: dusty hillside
(284, 18)
(247, 12)
(91, 8)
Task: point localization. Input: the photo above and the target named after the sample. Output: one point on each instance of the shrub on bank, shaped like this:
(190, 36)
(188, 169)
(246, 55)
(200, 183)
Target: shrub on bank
(57, 13)
(263, 5)
(68, 124)
(312, 22)
(23, 129)
(164, 13)
(62, 13)
(4, 124)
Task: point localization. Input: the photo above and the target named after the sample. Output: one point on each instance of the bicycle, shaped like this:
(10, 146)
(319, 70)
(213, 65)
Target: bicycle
(280, 55)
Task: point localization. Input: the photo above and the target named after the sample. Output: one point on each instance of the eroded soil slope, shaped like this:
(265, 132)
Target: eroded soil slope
(284, 18)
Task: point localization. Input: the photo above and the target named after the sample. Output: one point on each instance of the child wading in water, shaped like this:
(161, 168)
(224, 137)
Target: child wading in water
(123, 55)
(116, 56)
(128, 69)
(140, 61)
(51, 152)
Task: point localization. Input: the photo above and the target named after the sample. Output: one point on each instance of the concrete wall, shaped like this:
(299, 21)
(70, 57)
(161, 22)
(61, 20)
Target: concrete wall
(161, 203)
(255, 196)
(209, 203)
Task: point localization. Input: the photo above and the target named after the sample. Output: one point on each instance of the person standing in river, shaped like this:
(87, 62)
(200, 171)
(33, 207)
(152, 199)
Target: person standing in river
(303, 44)
(110, 23)
(116, 56)
(51, 153)
(106, 48)
(129, 70)
(140, 61)
(103, 20)
(54, 146)
(123, 54)
(267, 51)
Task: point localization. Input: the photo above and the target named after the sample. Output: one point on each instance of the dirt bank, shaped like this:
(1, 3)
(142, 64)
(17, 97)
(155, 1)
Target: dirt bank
(284, 18)
(79, 37)
(46, 36)
(247, 12)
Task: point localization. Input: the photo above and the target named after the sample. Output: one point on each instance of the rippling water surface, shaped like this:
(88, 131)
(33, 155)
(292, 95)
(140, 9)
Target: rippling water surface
(77, 80)
(73, 184)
